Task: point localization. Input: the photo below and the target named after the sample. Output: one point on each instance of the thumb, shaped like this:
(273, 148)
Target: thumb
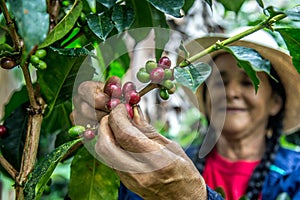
(146, 128)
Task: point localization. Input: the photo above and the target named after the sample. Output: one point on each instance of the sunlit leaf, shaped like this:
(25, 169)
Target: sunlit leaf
(64, 26)
(171, 7)
(291, 37)
(193, 75)
(43, 170)
(91, 179)
(32, 21)
(251, 61)
(100, 24)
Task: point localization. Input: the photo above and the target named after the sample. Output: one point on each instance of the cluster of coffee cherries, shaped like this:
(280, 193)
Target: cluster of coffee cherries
(87, 132)
(159, 73)
(37, 59)
(119, 93)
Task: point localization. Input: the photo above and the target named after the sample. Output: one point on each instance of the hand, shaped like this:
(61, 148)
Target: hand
(89, 103)
(146, 162)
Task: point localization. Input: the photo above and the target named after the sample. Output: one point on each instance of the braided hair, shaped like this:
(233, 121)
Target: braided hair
(275, 125)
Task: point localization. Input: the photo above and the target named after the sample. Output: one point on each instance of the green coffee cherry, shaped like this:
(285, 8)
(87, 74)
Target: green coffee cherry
(143, 76)
(41, 65)
(150, 65)
(34, 60)
(168, 84)
(41, 53)
(163, 93)
(168, 74)
(75, 131)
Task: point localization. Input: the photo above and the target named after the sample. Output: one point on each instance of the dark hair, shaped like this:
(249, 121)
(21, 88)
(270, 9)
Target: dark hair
(275, 125)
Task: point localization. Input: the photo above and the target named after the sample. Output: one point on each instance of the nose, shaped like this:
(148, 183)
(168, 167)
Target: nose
(232, 90)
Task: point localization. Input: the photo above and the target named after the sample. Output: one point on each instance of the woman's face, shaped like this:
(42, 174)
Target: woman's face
(247, 112)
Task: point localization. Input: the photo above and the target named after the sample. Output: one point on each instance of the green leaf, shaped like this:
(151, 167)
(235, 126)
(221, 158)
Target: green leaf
(12, 145)
(17, 99)
(107, 3)
(123, 16)
(95, 180)
(73, 52)
(272, 11)
(58, 121)
(32, 21)
(260, 3)
(293, 13)
(193, 75)
(43, 170)
(64, 26)
(171, 7)
(189, 3)
(251, 61)
(57, 81)
(292, 39)
(234, 6)
(6, 50)
(100, 24)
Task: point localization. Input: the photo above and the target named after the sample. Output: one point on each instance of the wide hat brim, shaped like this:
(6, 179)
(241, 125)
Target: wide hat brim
(282, 64)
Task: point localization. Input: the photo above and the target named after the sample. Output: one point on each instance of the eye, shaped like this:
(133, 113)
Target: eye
(247, 83)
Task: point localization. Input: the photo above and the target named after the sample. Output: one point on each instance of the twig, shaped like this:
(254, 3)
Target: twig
(11, 26)
(148, 88)
(8, 167)
(53, 10)
(265, 24)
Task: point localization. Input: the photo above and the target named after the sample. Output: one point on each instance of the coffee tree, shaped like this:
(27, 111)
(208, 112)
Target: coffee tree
(48, 41)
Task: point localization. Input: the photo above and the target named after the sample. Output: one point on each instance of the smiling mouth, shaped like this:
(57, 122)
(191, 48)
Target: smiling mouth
(235, 109)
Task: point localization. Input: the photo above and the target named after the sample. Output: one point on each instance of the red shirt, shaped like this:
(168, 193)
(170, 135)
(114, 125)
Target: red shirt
(232, 177)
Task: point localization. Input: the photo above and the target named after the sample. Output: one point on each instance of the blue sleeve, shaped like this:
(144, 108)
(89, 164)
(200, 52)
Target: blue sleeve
(126, 194)
(213, 195)
(284, 175)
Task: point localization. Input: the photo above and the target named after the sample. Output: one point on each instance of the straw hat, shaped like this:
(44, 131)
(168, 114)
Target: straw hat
(281, 62)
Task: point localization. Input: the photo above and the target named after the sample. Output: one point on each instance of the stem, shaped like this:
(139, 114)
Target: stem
(11, 26)
(8, 167)
(29, 86)
(148, 88)
(265, 24)
(31, 147)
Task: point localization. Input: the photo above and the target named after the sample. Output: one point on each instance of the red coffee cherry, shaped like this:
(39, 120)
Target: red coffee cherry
(3, 130)
(157, 75)
(112, 103)
(132, 97)
(164, 62)
(129, 110)
(127, 87)
(89, 134)
(113, 90)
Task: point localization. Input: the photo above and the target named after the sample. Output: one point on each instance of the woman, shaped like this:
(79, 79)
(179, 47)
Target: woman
(245, 161)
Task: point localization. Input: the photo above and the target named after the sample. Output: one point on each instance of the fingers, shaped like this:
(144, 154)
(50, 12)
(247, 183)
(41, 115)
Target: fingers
(125, 153)
(128, 136)
(146, 128)
(92, 93)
